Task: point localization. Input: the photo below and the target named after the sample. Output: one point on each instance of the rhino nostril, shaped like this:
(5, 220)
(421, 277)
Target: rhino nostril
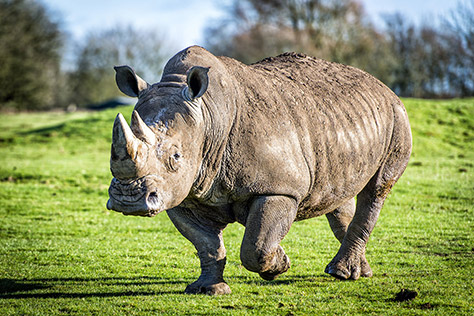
(152, 197)
(153, 201)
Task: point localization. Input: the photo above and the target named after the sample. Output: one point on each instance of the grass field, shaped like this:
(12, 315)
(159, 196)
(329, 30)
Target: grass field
(63, 253)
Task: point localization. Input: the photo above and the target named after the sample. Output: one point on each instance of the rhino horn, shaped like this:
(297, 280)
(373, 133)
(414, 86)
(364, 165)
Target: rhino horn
(126, 149)
(125, 143)
(141, 130)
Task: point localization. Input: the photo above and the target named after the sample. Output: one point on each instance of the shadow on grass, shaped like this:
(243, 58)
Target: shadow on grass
(47, 288)
(307, 280)
(44, 131)
(13, 286)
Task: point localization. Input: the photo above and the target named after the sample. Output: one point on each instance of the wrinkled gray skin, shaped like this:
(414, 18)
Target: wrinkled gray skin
(285, 139)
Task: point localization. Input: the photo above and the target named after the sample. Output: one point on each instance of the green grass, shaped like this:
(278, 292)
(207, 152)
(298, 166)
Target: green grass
(62, 252)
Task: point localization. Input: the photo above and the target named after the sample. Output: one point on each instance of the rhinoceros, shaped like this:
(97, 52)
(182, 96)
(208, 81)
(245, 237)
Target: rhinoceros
(282, 140)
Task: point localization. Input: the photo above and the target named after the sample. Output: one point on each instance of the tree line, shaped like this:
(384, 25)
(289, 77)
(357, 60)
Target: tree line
(431, 60)
(34, 76)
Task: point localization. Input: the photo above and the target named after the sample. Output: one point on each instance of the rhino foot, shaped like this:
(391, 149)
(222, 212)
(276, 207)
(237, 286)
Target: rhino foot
(365, 270)
(282, 266)
(200, 287)
(270, 276)
(350, 267)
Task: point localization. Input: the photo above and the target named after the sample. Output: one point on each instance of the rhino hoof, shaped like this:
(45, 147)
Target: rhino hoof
(349, 269)
(269, 276)
(341, 274)
(211, 289)
(282, 267)
(365, 270)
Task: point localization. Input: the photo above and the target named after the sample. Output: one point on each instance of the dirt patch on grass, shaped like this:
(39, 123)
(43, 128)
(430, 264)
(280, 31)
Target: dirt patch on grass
(405, 295)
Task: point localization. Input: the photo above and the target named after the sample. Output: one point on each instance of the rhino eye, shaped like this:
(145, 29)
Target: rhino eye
(174, 162)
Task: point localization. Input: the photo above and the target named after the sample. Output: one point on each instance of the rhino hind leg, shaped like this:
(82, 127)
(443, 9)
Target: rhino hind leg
(269, 220)
(207, 239)
(339, 221)
(349, 260)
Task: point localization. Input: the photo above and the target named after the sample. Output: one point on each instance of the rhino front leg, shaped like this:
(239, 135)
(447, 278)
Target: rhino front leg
(269, 220)
(206, 236)
(340, 218)
(339, 221)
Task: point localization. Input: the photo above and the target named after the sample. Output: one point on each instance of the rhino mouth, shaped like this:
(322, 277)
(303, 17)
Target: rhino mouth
(134, 197)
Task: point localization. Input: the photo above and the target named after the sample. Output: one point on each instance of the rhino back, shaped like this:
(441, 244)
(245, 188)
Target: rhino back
(307, 128)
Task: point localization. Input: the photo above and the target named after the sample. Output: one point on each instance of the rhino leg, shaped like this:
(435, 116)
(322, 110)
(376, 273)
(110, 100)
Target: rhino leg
(206, 236)
(269, 220)
(349, 262)
(339, 221)
(340, 218)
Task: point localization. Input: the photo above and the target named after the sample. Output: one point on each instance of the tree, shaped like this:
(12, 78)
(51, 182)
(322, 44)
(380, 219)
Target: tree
(459, 37)
(433, 61)
(418, 61)
(92, 81)
(334, 30)
(30, 43)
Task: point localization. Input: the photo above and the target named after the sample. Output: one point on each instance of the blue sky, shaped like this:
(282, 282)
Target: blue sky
(184, 21)
(180, 21)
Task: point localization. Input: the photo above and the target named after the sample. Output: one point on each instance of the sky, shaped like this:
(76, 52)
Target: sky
(183, 21)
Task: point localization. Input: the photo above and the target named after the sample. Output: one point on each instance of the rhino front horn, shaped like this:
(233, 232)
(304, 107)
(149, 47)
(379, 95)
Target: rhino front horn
(125, 150)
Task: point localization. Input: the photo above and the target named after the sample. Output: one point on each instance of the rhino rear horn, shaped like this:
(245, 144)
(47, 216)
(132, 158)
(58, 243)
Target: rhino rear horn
(141, 130)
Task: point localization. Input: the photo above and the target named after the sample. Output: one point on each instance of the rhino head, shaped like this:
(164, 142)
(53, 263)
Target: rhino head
(155, 160)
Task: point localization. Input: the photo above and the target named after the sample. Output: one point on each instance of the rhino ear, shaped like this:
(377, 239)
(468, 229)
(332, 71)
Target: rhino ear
(128, 82)
(198, 81)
